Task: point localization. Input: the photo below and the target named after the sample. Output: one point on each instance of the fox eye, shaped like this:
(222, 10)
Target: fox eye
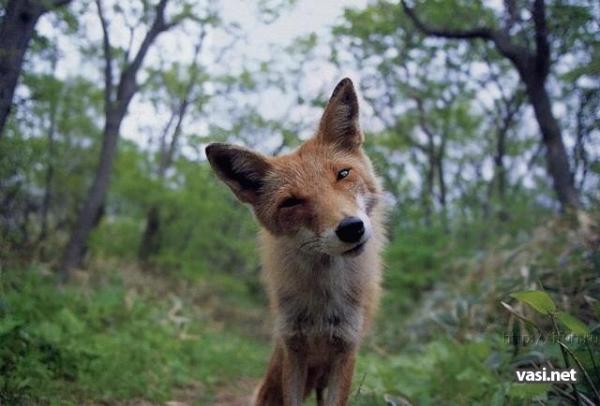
(291, 202)
(343, 173)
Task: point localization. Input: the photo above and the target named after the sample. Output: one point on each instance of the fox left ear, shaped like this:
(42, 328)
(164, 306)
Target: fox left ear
(241, 169)
(339, 124)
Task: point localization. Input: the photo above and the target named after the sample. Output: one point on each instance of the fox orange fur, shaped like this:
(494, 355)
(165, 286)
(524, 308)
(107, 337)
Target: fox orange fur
(321, 237)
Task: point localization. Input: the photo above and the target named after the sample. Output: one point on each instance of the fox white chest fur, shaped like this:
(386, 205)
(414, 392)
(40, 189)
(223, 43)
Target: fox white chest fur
(317, 295)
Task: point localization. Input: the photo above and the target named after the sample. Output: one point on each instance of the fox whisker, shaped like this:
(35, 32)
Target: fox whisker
(313, 243)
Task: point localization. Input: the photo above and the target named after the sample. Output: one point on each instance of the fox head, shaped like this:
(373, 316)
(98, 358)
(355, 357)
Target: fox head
(319, 197)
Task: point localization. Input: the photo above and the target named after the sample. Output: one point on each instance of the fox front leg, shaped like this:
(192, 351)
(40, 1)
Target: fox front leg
(340, 378)
(295, 370)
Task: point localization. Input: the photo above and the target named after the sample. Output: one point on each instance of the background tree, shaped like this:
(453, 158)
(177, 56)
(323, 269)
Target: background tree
(17, 26)
(116, 101)
(184, 87)
(533, 63)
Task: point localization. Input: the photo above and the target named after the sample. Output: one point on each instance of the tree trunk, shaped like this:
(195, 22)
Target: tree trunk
(16, 30)
(50, 167)
(499, 180)
(90, 212)
(115, 111)
(500, 169)
(150, 243)
(556, 155)
(442, 184)
(428, 192)
(49, 177)
(150, 240)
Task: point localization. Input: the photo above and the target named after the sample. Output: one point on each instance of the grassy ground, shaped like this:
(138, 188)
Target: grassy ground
(120, 335)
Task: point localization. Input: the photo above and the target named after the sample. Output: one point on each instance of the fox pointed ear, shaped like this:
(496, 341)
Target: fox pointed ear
(339, 124)
(241, 169)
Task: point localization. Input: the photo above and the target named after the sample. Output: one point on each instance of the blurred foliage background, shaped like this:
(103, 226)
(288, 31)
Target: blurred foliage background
(129, 274)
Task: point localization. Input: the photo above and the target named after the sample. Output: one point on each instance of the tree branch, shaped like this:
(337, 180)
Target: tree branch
(162, 147)
(127, 83)
(485, 33)
(158, 26)
(542, 55)
(108, 73)
(422, 122)
(518, 55)
(167, 158)
(512, 15)
(55, 4)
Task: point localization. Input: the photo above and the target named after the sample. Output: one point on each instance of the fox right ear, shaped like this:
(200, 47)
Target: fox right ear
(339, 124)
(241, 169)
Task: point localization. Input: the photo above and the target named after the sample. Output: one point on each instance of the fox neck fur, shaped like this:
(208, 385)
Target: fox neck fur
(317, 295)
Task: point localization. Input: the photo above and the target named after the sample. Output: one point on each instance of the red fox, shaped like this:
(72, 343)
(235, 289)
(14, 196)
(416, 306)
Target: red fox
(322, 232)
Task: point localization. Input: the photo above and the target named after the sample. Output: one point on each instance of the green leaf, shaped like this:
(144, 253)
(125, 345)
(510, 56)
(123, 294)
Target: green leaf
(575, 325)
(540, 301)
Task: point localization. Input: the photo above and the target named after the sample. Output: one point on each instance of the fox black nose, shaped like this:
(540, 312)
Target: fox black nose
(350, 229)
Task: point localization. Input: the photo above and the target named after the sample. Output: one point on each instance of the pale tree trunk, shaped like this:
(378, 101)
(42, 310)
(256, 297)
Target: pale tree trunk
(16, 31)
(533, 67)
(115, 111)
